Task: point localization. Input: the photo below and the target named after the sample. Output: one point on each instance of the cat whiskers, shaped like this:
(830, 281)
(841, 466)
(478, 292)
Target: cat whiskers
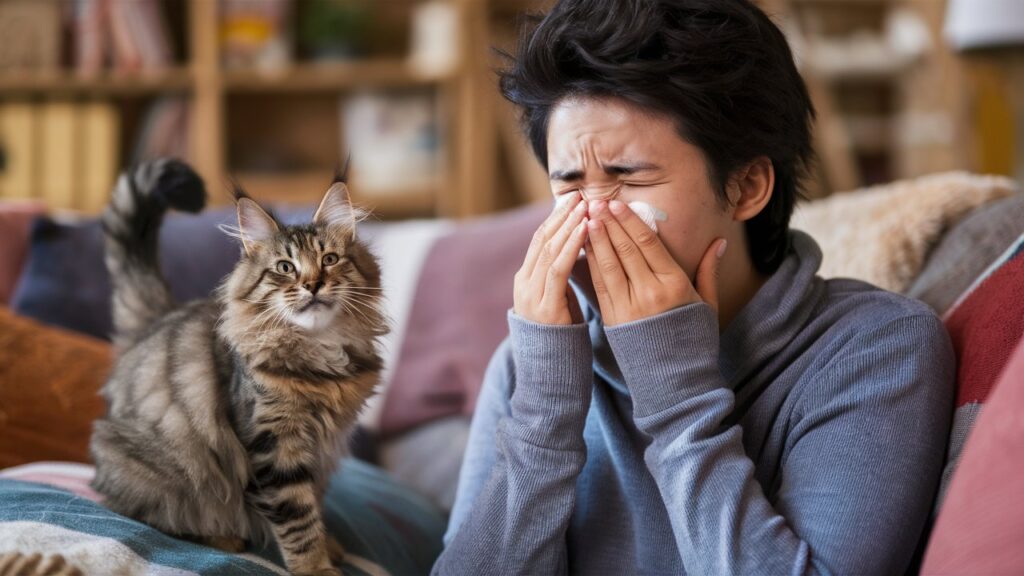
(268, 321)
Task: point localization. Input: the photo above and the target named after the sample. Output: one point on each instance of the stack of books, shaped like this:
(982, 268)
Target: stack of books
(128, 36)
(67, 153)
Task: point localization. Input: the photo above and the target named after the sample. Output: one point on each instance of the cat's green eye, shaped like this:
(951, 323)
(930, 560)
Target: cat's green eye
(285, 267)
(330, 259)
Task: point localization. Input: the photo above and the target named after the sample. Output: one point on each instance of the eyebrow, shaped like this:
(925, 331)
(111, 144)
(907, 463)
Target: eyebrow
(625, 169)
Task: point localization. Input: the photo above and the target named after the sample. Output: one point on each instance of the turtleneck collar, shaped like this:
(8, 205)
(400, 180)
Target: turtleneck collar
(763, 328)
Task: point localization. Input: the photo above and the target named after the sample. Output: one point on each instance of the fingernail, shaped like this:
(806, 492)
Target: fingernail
(617, 207)
(721, 248)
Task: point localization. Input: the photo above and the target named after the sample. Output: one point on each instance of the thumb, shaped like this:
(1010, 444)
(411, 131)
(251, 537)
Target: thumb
(708, 271)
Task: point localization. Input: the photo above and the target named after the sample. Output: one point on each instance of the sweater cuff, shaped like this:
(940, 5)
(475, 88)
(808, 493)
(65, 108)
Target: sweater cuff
(668, 358)
(554, 377)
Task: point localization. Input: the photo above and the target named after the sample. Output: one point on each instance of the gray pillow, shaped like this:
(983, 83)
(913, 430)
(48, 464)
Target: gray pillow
(966, 250)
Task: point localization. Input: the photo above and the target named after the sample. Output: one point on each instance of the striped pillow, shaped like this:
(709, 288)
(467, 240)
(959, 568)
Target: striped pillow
(985, 325)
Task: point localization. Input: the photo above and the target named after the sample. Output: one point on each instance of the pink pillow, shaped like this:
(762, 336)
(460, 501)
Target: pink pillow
(981, 526)
(16, 219)
(458, 318)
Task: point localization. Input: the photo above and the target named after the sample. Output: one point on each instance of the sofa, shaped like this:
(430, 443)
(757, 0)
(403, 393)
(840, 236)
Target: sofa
(953, 241)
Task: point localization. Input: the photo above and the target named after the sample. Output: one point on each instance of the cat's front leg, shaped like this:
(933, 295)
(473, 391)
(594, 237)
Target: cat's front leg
(295, 521)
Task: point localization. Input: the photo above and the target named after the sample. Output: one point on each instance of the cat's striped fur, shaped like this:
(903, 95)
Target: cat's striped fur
(227, 416)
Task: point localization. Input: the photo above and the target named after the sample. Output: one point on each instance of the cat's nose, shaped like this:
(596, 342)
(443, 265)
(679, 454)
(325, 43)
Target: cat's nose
(313, 287)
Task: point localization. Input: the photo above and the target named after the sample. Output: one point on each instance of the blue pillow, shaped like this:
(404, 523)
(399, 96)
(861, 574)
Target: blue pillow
(373, 517)
(65, 282)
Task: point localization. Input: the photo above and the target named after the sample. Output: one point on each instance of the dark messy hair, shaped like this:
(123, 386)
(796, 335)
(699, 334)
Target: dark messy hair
(719, 68)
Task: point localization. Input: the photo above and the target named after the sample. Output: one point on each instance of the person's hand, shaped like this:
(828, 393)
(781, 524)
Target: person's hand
(542, 293)
(633, 273)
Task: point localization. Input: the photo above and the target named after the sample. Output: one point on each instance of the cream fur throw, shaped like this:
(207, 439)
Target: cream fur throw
(883, 234)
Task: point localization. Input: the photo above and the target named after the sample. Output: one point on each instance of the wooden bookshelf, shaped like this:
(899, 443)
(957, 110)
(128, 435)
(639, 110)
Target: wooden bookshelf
(308, 188)
(883, 116)
(333, 77)
(108, 84)
(213, 93)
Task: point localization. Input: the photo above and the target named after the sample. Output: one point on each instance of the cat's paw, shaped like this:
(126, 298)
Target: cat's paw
(335, 551)
(332, 571)
(225, 543)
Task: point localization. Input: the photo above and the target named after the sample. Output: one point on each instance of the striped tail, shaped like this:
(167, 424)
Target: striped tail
(131, 224)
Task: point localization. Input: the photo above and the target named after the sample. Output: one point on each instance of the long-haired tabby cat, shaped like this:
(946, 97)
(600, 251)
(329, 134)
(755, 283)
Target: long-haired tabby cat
(226, 417)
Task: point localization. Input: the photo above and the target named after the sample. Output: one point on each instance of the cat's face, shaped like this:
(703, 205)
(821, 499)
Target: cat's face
(309, 276)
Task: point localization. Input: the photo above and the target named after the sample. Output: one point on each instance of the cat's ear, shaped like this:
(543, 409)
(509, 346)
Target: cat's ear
(254, 224)
(336, 209)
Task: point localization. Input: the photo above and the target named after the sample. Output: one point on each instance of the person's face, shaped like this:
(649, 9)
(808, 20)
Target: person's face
(607, 148)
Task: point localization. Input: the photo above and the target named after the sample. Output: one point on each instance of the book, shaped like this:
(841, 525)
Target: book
(19, 143)
(149, 33)
(126, 57)
(99, 146)
(88, 23)
(59, 129)
(165, 131)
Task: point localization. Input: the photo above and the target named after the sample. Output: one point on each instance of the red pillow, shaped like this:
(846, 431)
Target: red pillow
(458, 318)
(15, 222)
(985, 326)
(981, 527)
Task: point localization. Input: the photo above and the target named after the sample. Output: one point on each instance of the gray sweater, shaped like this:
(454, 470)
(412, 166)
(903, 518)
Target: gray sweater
(807, 438)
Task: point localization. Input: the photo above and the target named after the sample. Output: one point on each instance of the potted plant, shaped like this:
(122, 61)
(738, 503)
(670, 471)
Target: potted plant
(334, 29)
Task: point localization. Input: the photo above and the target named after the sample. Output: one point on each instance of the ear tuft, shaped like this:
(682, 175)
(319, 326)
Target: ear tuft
(341, 171)
(255, 226)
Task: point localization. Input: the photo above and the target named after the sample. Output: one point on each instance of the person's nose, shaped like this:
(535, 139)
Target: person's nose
(600, 192)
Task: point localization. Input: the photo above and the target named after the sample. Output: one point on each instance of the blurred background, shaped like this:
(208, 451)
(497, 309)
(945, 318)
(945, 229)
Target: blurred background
(276, 93)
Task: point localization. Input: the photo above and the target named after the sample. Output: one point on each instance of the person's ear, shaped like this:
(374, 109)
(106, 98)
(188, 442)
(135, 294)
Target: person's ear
(750, 188)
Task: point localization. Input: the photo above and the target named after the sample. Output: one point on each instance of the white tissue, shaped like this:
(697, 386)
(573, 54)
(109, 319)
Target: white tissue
(649, 214)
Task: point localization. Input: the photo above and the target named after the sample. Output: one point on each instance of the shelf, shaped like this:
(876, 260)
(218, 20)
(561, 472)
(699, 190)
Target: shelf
(844, 2)
(334, 76)
(309, 187)
(107, 83)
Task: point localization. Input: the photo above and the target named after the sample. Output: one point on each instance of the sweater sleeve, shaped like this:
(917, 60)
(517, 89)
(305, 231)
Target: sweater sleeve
(517, 487)
(862, 460)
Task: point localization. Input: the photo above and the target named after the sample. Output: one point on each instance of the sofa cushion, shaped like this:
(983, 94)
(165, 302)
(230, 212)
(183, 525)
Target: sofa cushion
(981, 526)
(966, 250)
(985, 326)
(49, 383)
(15, 222)
(457, 318)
